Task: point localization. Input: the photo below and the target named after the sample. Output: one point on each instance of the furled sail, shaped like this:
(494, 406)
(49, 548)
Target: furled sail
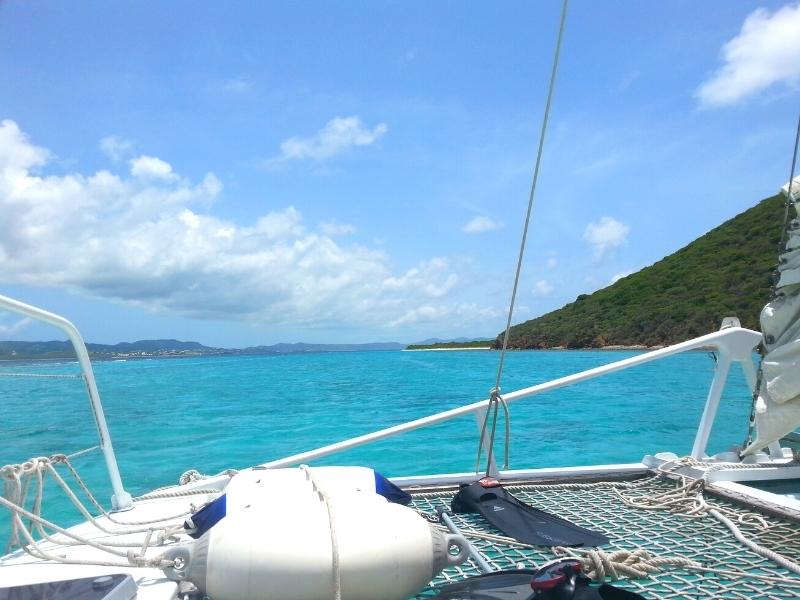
(778, 405)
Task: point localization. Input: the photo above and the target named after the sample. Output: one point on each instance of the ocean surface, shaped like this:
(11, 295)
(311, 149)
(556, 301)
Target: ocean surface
(212, 413)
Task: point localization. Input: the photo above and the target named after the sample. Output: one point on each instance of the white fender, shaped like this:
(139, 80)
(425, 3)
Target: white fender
(268, 485)
(279, 538)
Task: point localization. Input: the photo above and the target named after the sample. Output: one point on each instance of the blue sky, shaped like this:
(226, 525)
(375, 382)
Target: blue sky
(343, 172)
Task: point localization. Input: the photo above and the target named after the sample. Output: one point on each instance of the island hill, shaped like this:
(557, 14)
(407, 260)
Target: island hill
(726, 272)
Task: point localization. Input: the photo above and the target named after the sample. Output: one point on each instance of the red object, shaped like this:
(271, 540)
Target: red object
(489, 482)
(555, 575)
(549, 582)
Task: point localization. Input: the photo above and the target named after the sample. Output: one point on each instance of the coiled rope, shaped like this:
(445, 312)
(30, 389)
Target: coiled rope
(638, 564)
(20, 479)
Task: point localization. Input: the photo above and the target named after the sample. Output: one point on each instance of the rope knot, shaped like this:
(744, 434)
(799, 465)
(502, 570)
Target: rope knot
(190, 476)
(9, 471)
(600, 565)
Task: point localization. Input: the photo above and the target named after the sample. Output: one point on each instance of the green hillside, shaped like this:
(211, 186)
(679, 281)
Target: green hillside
(726, 272)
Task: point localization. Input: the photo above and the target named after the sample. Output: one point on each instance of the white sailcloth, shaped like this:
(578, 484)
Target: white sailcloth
(778, 403)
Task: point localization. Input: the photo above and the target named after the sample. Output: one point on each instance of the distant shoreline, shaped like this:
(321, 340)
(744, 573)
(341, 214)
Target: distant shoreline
(484, 348)
(610, 348)
(135, 358)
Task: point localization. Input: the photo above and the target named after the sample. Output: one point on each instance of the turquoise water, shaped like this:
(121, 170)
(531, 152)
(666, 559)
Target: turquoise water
(170, 415)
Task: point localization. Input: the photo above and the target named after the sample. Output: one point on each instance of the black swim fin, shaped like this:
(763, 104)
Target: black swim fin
(519, 520)
(514, 584)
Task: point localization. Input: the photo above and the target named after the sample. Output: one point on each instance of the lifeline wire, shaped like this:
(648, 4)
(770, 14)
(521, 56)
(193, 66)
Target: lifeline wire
(495, 398)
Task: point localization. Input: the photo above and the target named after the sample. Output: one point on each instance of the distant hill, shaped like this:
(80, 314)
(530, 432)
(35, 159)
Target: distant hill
(301, 347)
(63, 349)
(458, 340)
(169, 348)
(726, 272)
(458, 343)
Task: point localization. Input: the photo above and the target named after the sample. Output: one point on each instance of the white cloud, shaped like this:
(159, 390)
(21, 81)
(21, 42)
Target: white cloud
(481, 224)
(542, 288)
(19, 155)
(333, 229)
(766, 52)
(552, 262)
(14, 328)
(429, 279)
(619, 276)
(422, 314)
(142, 240)
(605, 235)
(457, 316)
(150, 167)
(339, 134)
(115, 148)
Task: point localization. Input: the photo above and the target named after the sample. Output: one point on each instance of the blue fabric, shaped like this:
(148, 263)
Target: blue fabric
(390, 491)
(208, 516)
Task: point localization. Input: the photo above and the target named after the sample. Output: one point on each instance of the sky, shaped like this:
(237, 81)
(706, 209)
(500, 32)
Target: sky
(253, 173)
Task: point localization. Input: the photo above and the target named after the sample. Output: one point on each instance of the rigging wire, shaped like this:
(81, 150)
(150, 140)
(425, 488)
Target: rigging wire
(495, 398)
(776, 278)
(789, 199)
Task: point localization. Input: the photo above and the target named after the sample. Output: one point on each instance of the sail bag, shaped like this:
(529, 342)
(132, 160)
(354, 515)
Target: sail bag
(778, 403)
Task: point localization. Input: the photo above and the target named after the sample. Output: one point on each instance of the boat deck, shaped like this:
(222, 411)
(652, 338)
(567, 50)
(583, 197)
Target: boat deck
(734, 571)
(729, 569)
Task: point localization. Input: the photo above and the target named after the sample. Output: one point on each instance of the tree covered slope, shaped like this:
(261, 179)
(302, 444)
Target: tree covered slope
(726, 272)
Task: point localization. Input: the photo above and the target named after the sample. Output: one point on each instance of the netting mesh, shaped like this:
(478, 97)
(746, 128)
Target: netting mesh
(661, 533)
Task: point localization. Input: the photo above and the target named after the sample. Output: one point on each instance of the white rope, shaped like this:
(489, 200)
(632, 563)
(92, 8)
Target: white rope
(760, 550)
(687, 499)
(176, 494)
(190, 476)
(162, 535)
(636, 564)
(133, 559)
(336, 568)
(82, 452)
(600, 565)
(193, 475)
(86, 515)
(105, 513)
(17, 480)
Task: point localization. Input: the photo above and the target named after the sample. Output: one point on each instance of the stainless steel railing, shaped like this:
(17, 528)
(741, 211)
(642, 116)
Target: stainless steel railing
(121, 500)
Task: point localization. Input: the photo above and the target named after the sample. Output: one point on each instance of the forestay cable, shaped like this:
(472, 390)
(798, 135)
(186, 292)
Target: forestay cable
(495, 398)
